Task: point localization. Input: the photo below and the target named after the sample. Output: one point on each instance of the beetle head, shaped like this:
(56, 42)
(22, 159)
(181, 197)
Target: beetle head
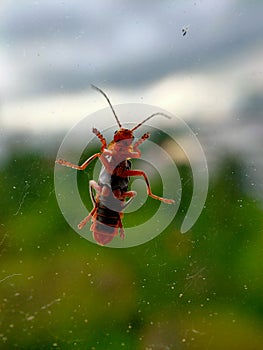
(123, 134)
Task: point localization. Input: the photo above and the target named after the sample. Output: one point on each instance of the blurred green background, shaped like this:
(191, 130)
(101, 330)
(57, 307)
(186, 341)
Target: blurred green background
(198, 290)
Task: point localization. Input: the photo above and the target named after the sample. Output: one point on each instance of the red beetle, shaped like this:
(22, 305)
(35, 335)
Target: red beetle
(109, 195)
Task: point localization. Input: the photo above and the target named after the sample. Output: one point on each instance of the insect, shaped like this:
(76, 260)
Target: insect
(110, 195)
(185, 30)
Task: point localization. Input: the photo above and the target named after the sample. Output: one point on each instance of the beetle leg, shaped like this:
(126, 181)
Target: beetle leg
(140, 141)
(149, 191)
(78, 167)
(97, 188)
(130, 194)
(122, 235)
(86, 219)
(136, 153)
(102, 139)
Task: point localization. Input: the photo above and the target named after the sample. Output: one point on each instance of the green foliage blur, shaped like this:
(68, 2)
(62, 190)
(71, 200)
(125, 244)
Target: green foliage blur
(199, 290)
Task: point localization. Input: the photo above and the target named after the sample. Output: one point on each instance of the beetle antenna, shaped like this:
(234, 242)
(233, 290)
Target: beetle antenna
(145, 120)
(103, 93)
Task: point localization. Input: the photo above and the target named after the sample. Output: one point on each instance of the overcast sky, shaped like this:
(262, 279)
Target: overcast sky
(211, 77)
(51, 51)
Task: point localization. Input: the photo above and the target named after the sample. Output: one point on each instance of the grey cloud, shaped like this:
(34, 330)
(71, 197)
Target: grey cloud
(56, 45)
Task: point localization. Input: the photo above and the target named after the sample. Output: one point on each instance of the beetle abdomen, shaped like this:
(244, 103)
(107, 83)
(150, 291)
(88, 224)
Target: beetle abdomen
(105, 224)
(107, 216)
(103, 234)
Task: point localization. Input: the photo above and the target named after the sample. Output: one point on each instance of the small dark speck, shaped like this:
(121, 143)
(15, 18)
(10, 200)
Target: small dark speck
(185, 30)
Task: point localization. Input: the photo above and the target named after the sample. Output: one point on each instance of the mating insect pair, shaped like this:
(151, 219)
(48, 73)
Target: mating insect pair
(110, 196)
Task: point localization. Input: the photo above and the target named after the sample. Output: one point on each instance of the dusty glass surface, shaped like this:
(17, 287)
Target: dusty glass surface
(199, 61)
